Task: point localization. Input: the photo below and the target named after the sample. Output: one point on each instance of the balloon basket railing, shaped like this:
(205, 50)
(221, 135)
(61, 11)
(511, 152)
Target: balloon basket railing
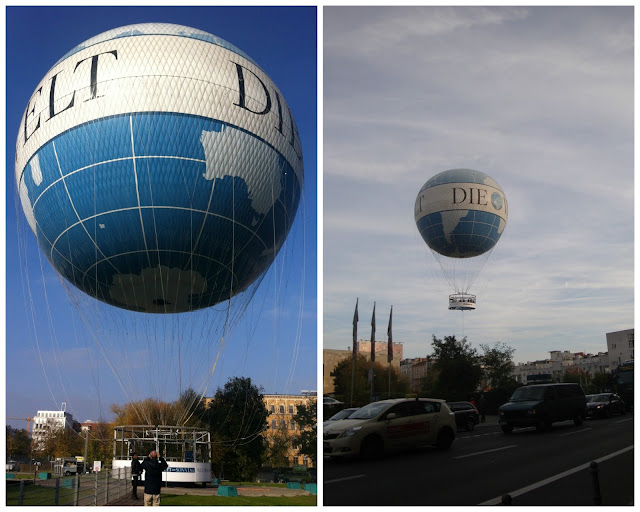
(462, 302)
(187, 450)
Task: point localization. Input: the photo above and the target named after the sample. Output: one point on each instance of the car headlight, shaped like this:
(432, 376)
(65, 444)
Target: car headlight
(350, 432)
(599, 406)
(531, 411)
(500, 413)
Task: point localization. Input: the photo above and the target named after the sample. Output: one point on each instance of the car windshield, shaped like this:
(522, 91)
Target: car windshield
(344, 413)
(598, 398)
(527, 393)
(369, 411)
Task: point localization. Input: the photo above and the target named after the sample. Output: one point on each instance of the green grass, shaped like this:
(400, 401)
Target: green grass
(253, 484)
(171, 500)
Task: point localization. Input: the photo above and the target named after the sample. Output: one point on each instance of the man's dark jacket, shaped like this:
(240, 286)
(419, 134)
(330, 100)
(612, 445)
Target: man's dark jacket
(153, 469)
(136, 468)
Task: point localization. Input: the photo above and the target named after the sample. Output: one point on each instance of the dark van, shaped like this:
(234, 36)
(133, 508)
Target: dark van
(541, 405)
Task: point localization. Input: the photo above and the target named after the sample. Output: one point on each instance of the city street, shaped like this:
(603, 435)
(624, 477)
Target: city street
(550, 468)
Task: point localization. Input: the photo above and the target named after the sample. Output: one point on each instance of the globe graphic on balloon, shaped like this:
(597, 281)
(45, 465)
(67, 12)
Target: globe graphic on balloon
(461, 213)
(159, 167)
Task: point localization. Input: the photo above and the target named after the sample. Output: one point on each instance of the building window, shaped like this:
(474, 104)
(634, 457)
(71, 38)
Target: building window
(291, 409)
(282, 409)
(292, 425)
(274, 424)
(272, 409)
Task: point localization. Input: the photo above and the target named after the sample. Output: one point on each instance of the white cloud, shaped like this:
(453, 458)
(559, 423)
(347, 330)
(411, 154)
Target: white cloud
(541, 99)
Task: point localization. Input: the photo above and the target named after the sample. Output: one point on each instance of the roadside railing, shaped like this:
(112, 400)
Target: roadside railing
(99, 488)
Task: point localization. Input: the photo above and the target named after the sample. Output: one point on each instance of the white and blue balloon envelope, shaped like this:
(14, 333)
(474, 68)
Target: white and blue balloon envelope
(159, 167)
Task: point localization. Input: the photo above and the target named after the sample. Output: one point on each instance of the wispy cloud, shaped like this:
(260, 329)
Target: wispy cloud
(539, 98)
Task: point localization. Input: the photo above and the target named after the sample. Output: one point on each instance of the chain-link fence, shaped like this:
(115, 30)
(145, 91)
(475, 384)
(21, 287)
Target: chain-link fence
(98, 488)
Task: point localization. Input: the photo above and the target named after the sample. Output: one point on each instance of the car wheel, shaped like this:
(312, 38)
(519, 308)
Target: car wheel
(445, 439)
(470, 424)
(371, 448)
(507, 429)
(578, 420)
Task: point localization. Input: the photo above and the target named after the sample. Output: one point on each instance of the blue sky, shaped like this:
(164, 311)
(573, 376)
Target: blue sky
(275, 343)
(539, 98)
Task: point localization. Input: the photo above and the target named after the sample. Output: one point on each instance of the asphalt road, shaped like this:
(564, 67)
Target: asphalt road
(550, 468)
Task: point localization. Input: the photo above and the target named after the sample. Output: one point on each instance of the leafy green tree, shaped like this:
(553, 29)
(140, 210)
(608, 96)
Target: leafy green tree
(237, 418)
(307, 419)
(601, 382)
(458, 368)
(342, 377)
(498, 364)
(278, 446)
(100, 443)
(18, 444)
(577, 376)
(62, 442)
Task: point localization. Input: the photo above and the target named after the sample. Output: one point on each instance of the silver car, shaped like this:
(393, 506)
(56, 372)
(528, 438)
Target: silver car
(391, 425)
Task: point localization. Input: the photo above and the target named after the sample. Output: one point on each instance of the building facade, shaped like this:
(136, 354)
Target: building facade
(331, 358)
(620, 347)
(46, 422)
(281, 421)
(415, 370)
(554, 368)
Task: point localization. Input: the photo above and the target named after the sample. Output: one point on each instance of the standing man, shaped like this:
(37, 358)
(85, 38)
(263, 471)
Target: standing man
(482, 408)
(136, 471)
(153, 467)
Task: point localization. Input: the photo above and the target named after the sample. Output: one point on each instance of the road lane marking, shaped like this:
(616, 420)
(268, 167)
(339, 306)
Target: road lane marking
(622, 421)
(574, 432)
(479, 435)
(335, 480)
(551, 479)
(486, 451)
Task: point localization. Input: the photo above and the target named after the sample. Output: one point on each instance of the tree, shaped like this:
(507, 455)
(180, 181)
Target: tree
(62, 442)
(18, 443)
(342, 378)
(237, 418)
(188, 410)
(498, 365)
(307, 439)
(100, 444)
(278, 446)
(458, 369)
(601, 382)
(578, 376)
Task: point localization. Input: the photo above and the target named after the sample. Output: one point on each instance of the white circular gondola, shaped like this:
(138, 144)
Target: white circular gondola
(462, 302)
(187, 450)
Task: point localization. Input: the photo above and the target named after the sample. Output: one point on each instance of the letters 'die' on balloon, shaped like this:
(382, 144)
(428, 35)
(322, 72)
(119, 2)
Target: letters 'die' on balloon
(159, 167)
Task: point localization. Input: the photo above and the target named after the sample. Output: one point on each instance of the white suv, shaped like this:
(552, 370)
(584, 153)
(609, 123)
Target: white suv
(391, 425)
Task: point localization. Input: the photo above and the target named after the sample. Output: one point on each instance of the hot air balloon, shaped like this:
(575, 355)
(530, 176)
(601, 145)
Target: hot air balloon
(461, 214)
(159, 167)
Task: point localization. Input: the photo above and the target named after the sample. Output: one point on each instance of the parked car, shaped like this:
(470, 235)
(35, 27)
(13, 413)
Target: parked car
(467, 416)
(541, 405)
(340, 415)
(327, 400)
(12, 466)
(390, 425)
(604, 405)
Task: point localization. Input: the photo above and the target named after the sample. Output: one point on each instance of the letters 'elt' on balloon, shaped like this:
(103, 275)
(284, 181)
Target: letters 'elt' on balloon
(159, 167)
